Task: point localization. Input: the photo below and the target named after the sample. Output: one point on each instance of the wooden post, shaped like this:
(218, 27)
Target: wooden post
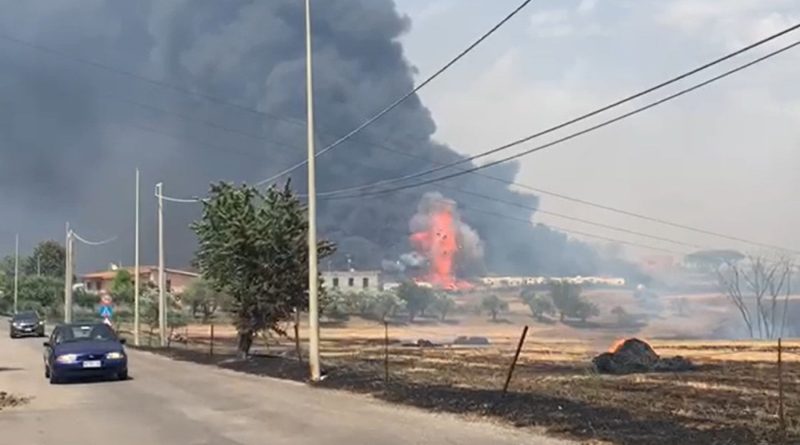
(297, 348)
(186, 336)
(781, 416)
(211, 341)
(386, 352)
(516, 357)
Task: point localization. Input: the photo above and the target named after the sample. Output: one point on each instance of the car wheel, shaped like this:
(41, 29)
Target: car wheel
(122, 375)
(54, 379)
(46, 372)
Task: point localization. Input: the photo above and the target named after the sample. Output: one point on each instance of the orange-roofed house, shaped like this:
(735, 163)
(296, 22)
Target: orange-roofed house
(176, 280)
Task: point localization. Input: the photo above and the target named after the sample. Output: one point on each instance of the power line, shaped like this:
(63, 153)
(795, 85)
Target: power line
(576, 134)
(590, 114)
(404, 97)
(575, 232)
(92, 243)
(576, 219)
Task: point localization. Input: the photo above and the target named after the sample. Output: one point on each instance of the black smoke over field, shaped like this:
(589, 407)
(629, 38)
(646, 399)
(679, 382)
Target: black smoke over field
(71, 133)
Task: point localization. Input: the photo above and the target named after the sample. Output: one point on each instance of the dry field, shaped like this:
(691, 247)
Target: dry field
(732, 398)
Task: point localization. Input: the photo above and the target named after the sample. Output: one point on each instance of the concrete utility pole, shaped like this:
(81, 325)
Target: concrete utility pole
(162, 298)
(68, 272)
(16, 271)
(136, 269)
(313, 280)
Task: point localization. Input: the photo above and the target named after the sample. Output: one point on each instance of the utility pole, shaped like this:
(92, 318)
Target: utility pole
(313, 280)
(68, 272)
(16, 271)
(136, 269)
(162, 299)
(38, 265)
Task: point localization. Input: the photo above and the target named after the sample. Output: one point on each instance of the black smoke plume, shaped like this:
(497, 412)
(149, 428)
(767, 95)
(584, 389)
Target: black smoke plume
(71, 132)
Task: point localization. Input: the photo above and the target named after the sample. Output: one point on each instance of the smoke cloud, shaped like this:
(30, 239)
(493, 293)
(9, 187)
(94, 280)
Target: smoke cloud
(71, 133)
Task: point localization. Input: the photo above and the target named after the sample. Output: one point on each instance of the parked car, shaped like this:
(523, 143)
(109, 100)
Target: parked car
(27, 323)
(84, 350)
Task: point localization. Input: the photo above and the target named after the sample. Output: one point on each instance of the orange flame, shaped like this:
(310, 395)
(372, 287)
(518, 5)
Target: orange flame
(616, 345)
(439, 244)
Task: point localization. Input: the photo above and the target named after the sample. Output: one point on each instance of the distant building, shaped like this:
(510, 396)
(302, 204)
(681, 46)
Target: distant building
(352, 280)
(176, 280)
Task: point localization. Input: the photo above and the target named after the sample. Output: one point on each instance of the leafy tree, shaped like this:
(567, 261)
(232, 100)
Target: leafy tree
(584, 310)
(48, 259)
(416, 298)
(84, 299)
(253, 247)
(386, 304)
(203, 300)
(122, 288)
(335, 305)
(443, 304)
(540, 305)
(39, 293)
(148, 310)
(494, 305)
(566, 297)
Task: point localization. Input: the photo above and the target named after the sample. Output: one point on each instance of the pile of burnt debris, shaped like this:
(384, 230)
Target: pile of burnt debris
(636, 356)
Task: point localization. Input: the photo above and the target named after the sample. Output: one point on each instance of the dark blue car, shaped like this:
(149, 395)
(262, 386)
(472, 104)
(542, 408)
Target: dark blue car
(84, 350)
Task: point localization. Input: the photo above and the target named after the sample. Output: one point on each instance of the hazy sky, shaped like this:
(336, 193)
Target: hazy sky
(725, 158)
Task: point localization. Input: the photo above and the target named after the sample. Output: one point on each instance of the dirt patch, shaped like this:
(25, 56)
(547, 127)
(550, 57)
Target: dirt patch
(10, 400)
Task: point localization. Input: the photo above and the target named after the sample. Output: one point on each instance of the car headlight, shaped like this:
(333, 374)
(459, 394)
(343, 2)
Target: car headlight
(67, 358)
(16, 324)
(115, 355)
(41, 322)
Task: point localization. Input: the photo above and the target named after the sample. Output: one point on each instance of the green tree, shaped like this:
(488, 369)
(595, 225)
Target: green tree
(39, 293)
(335, 305)
(203, 300)
(386, 304)
(566, 297)
(540, 305)
(122, 288)
(416, 298)
(494, 305)
(443, 304)
(48, 259)
(584, 310)
(253, 247)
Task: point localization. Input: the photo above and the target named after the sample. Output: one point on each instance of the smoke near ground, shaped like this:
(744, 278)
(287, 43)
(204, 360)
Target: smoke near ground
(71, 133)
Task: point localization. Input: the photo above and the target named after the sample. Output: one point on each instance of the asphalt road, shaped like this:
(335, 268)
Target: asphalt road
(179, 403)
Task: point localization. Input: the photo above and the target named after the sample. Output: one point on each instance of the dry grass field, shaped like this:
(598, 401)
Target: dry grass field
(731, 398)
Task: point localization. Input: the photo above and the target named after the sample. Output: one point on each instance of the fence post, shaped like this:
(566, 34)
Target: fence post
(516, 357)
(186, 336)
(781, 415)
(297, 348)
(385, 352)
(211, 341)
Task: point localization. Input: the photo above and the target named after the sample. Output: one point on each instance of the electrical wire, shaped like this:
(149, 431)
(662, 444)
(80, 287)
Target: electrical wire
(576, 134)
(591, 114)
(92, 243)
(404, 97)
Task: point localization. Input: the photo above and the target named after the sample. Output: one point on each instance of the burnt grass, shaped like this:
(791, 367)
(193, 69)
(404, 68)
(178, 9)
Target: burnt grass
(718, 403)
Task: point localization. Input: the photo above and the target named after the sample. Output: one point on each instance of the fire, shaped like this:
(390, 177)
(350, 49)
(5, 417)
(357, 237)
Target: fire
(439, 244)
(616, 345)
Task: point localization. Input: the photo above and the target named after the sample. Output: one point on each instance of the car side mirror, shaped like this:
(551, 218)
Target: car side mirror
(123, 341)
(46, 344)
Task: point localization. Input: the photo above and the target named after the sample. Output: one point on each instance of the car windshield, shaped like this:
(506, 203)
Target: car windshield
(26, 316)
(87, 332)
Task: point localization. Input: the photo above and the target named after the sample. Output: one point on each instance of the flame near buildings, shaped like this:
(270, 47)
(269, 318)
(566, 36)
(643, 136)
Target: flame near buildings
(439, 235)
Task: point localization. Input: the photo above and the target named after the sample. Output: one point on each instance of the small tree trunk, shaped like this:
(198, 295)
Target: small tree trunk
(244, 344)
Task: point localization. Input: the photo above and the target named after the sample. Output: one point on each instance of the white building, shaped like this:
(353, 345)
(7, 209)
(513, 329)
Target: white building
(351, 280)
